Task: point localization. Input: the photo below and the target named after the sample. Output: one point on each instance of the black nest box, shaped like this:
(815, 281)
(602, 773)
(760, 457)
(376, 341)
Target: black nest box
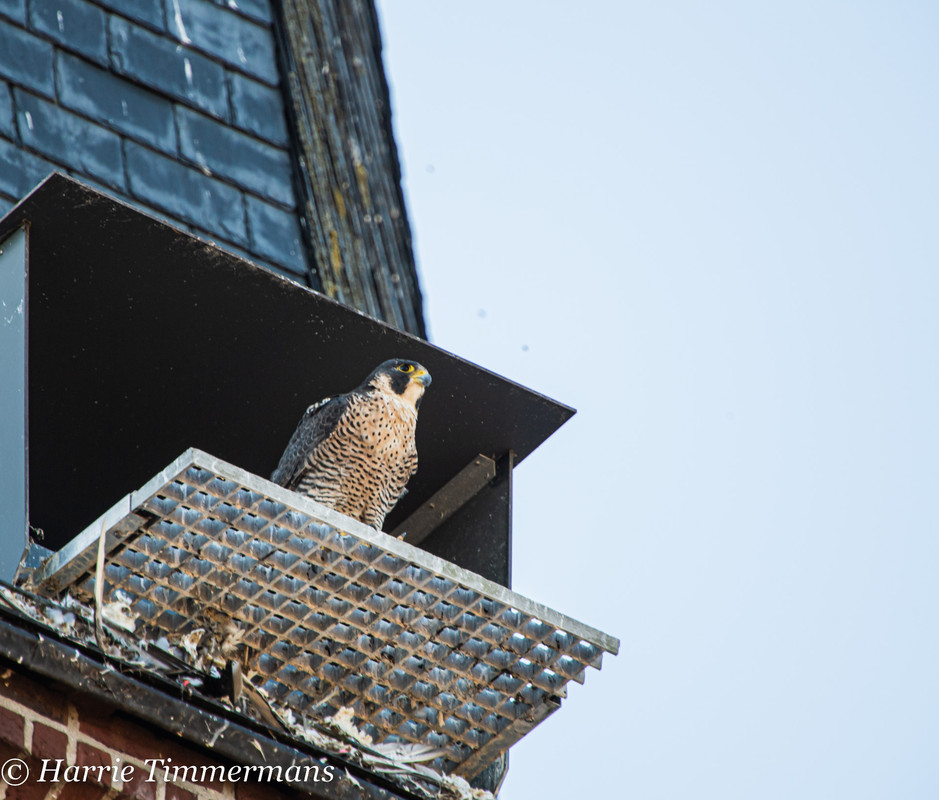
(125, 341)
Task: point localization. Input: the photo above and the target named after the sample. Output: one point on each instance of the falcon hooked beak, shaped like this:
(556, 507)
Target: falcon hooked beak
(421, 376)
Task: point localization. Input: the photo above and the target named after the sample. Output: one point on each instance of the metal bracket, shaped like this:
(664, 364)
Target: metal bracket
(455, 494)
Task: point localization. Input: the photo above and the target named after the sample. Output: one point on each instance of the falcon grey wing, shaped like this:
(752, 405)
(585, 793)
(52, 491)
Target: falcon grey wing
(316, 424)
(355, 453)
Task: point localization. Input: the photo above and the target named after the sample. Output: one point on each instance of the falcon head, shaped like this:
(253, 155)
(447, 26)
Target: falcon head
(408, 379)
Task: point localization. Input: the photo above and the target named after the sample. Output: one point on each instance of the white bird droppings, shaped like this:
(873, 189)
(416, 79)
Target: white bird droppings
(180, 28)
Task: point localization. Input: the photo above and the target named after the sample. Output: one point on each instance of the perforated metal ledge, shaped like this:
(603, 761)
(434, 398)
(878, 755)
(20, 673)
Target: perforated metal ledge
(328, 612)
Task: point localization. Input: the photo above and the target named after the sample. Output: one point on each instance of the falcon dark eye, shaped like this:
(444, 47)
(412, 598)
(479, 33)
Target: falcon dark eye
(406, 368)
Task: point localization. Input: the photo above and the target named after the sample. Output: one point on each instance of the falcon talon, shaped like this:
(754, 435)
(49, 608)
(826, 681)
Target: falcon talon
(356, 452)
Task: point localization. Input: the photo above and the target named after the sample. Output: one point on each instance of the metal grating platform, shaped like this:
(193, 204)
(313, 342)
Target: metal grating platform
(325, 612)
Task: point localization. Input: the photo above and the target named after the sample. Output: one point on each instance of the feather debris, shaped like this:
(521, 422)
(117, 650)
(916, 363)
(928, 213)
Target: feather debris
(184, 659)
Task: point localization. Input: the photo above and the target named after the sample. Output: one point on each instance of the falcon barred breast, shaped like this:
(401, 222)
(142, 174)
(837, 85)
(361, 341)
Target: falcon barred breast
(355, 452)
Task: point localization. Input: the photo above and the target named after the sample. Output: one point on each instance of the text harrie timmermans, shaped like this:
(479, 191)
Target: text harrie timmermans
(157, 769)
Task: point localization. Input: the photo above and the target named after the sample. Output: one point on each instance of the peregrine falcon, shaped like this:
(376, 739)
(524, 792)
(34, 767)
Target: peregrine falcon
(356, 452)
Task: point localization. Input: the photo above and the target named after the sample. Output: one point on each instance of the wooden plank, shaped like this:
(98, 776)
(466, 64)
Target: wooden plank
(349, 175)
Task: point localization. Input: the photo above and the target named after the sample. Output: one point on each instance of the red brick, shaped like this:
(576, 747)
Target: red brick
(181, 769)
(42, 698)
(140, 742)
(138, 787)
(28, 791)
(256, 791)
(86, 755)
(48, 742)
(8, 751)
(251, 791)
(178, 793)
(137, 741)
(11, 728)
(118, 734)
(82, 791)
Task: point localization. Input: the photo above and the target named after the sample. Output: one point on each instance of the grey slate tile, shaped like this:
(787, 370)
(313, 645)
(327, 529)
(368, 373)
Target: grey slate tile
(149, 12)
(61, 135)
(14, 9)
(22, 171)
(116, 102)
(275, 234)
(259, 167)
(186, 192)
(239, 42)
(258, 108)
(76, 24)
(6, 112)
(255, 9)
(169, 67)
(26, 59)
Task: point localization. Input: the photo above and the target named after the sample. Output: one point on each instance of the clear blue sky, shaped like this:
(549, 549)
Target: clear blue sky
(712, 229)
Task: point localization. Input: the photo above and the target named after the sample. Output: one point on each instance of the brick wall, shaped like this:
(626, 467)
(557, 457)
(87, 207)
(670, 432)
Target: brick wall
(173, 105)
(39, 722)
